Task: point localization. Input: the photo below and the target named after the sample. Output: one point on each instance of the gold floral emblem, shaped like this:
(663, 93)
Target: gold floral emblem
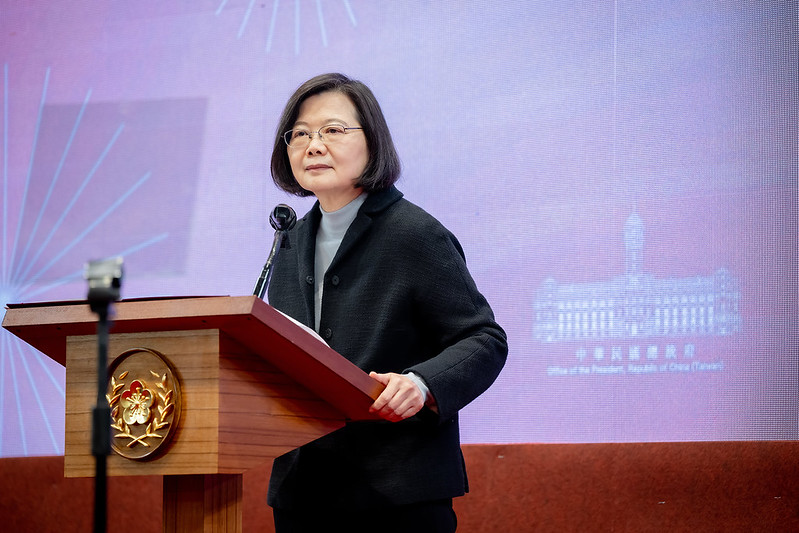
(144, 396)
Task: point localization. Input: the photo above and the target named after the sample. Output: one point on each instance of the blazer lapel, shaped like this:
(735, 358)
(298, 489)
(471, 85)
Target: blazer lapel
(372, 207)
(355, 232)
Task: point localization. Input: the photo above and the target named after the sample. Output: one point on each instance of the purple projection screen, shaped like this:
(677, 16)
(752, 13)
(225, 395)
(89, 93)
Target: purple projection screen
(621, 175)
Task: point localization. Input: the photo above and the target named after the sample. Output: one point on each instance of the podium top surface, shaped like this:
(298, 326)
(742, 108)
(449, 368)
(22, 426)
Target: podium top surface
(46, 325)
(247, 319)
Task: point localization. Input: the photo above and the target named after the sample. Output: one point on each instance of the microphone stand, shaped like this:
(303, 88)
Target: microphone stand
(104, 279)
(282, 219)
(101, 421)
(266, 273)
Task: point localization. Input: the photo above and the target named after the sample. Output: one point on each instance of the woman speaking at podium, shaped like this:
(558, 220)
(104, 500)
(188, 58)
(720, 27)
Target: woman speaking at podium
(386, 286)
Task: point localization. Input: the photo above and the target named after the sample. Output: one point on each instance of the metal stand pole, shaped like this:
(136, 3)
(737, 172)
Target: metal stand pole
(101, 426)
(105, 278)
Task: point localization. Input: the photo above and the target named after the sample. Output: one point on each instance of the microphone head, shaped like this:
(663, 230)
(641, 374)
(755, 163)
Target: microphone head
(283, 217)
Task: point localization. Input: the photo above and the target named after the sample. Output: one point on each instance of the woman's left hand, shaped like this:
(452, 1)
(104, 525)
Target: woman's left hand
(400, 399)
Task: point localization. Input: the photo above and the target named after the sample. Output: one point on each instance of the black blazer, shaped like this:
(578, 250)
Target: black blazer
(397, 297)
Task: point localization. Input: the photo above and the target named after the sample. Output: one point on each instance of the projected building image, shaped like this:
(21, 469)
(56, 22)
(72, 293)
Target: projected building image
(637, 305)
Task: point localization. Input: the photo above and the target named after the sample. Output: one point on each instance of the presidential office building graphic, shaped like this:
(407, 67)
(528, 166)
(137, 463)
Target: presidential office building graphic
(633, 313)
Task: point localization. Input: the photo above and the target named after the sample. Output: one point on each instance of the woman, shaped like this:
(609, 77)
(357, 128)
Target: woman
(386, 285)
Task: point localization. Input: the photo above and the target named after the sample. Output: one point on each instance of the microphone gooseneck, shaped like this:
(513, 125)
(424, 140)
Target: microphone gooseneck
(282, 219)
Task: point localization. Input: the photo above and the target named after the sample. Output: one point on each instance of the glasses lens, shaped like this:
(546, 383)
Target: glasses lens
(302, 138)
(333, 132)
(297, 138)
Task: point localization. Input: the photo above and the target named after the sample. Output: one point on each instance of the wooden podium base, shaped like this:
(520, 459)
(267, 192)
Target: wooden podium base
(203, 503)
(253, 385)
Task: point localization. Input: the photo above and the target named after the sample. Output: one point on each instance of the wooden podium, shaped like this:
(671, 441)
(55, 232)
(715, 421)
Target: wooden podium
(253, 385)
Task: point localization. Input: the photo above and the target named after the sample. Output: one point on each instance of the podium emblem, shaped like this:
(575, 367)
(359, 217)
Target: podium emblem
(144, 396)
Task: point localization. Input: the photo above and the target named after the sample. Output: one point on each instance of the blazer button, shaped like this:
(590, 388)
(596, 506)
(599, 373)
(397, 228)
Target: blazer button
(309, 280)
(334, 280)
(328, 333)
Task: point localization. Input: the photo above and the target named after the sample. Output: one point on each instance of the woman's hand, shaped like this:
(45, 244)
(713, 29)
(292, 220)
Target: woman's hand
(399, 400)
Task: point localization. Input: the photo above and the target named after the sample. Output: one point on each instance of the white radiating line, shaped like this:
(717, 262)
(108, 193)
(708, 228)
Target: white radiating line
(5, 274)
(18, 402)
(246, 19)
(350, 12)
(30, 166)
(74, 199)
(296, 27)
(272, 25)
(37, 396)
(615, 81)
(42, 360)
(24, 294)
(297, 21)
(56, 176)
(321, 17)
(119, 201)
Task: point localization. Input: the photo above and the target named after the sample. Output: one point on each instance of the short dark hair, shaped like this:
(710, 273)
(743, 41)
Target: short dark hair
(383, 167)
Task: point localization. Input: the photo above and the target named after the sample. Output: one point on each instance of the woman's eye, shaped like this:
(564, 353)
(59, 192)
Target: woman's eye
(299, 134)
(333, 130)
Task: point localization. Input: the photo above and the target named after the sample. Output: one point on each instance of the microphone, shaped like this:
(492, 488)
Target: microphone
(282, 219)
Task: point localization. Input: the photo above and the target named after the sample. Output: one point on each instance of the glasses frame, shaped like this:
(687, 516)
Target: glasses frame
(318, 133)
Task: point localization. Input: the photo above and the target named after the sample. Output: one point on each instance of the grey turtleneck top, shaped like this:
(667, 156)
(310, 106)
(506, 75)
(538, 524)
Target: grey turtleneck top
(331, 231)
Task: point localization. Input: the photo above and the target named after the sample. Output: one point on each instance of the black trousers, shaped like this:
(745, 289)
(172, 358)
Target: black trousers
(424, 517)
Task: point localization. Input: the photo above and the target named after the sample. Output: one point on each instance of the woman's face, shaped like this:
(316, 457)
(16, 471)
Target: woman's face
(329, 169)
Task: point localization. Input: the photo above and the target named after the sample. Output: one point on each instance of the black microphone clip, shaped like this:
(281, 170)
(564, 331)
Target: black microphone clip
(282, 219)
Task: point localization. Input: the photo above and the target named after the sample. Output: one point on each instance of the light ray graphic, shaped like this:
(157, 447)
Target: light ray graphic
(86, 231)
(301, 9)
(78, 274)
(350, 13)
(90, 180)
(272, 26)
(5, 173)
(615, 85)
(30, 165)
(18, 403)
(53, 182)
(297, 19)
(75, 198)
(321, 17)
(246, 19)
(35, 389)
(47, 372)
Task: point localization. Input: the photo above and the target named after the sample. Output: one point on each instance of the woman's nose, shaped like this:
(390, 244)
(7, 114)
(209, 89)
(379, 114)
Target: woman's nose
(316, 145)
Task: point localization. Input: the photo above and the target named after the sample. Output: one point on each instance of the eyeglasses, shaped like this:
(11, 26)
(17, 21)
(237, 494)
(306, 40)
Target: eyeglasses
(330, 134)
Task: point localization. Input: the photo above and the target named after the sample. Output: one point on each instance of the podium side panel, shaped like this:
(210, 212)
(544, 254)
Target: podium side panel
(194, 447)
(263, 413)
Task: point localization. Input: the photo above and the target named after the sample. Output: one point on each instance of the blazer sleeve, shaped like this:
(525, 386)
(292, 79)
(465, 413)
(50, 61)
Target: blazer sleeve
(472, 347)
